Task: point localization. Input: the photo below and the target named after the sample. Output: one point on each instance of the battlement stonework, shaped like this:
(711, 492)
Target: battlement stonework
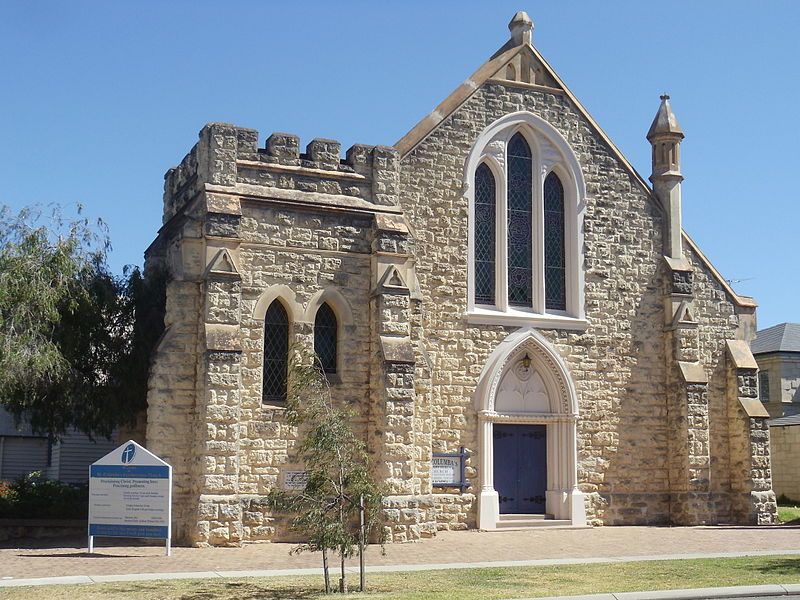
(633, 380)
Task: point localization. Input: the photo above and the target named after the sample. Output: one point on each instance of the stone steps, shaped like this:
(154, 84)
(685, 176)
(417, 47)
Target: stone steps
(512, 522)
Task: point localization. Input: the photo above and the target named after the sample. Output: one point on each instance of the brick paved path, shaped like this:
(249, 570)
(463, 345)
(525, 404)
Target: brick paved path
(50, 558)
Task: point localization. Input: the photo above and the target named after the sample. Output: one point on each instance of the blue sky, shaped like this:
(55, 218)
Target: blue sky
(100, 98)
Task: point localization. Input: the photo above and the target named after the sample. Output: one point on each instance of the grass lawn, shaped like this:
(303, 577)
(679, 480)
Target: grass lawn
(789, 514)
(460, 584)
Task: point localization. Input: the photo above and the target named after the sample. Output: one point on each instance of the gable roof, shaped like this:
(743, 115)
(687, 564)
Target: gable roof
(780, 338)
(491, 71)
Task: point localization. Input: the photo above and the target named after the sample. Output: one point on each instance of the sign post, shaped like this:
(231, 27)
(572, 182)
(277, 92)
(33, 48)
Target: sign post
(130, 495)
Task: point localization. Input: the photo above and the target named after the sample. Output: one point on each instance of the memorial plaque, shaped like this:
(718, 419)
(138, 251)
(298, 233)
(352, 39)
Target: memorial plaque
(295, 480)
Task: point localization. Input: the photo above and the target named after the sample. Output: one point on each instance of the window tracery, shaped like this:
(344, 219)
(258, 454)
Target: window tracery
(527, 197)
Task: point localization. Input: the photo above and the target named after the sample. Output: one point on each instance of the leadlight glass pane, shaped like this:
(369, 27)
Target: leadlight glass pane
(520, 206)
(276, 353)
(325, 338)
(554, 264)
(485, 216)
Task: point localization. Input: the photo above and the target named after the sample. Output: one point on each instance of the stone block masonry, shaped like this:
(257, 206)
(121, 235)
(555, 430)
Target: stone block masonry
(640, 388)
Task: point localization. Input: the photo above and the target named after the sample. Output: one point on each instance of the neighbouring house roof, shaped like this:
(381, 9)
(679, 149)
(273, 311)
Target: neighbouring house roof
(780, 338)
(783, 421)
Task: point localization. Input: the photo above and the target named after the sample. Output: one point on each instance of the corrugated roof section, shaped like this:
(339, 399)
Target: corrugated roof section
(780, 338)
(782, 421)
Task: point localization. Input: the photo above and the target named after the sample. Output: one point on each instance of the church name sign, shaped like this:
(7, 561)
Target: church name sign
(130, 495)
(447, 470)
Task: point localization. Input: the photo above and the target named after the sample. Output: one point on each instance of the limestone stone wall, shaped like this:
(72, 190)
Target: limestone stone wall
(288, 248)
(617, 364)
(245, 226)
(620, 363)
(785, 446)
(384, 239)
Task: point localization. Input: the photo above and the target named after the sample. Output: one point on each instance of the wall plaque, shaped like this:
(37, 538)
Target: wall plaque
(295, 480)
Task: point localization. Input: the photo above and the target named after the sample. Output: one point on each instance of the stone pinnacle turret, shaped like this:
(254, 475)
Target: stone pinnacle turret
(665, 136)
(521, 27)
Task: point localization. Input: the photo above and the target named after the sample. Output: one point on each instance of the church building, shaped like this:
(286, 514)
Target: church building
(526, 335)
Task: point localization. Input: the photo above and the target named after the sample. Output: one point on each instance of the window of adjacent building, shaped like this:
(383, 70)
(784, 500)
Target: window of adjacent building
(325, 338)
(763, 385)
(276, 353)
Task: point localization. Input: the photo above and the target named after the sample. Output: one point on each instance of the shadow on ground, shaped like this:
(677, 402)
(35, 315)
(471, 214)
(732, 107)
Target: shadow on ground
(241, 590)
(781, 566)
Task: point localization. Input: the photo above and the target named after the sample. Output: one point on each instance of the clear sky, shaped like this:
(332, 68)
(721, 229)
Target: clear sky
(101, 98)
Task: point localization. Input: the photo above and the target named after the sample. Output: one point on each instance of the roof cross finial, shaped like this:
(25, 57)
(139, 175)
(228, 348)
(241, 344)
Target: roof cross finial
(521, 28)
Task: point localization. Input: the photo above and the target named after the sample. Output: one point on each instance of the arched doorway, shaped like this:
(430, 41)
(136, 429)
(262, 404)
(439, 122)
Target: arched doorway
(527, 410)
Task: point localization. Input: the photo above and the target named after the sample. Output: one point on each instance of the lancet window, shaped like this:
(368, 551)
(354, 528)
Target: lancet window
(325, 338)
(276, 353)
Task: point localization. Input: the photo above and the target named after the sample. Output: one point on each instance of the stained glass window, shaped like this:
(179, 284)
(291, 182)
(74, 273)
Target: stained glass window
(325, 338)
(276, 353)
(554, 266)
(520, 249)
(485, 218)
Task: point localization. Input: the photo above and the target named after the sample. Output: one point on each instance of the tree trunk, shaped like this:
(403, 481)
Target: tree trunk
(361, 542)
(343, 580)
(325, 570)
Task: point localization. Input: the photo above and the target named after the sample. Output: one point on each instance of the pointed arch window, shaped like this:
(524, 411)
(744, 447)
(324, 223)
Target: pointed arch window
(555, 281)
(325, 338)
(527, 202)
(485, 225)
(520, 212)
(276, 353)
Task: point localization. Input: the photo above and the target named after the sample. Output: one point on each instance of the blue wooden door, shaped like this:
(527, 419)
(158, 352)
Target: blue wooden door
(520, 468)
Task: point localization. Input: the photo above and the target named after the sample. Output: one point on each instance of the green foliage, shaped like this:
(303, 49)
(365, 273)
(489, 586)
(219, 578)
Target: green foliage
(74, 340)
(35, 497)
(337, 465)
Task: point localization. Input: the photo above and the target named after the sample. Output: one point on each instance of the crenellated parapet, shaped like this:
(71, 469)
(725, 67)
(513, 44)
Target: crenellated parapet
(228, 156)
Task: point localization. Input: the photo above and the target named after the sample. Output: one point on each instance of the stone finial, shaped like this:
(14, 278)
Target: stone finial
(665, 121)
(521, 28)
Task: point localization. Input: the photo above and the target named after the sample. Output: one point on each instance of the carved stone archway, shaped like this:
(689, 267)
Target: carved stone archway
(526, 382)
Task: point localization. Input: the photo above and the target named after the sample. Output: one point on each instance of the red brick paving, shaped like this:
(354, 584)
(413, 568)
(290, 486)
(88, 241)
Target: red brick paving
(50, 558)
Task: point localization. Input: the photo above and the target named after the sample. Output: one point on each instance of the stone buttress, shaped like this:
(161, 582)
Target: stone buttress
(694, 499)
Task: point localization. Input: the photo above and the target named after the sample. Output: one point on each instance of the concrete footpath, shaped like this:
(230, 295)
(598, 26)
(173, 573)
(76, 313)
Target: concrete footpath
(65, 561)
